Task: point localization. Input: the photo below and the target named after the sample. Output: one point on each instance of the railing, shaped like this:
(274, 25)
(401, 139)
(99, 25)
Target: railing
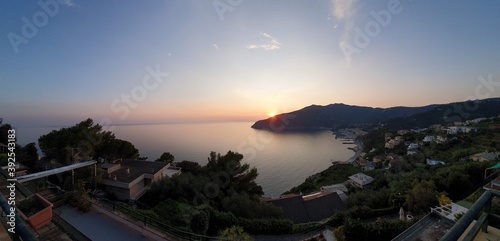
(21, 229)
(491, 177)
(461, 225)
(141, 219)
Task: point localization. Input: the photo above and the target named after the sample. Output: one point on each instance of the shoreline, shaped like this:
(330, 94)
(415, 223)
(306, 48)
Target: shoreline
(358, 149)
(358, 145)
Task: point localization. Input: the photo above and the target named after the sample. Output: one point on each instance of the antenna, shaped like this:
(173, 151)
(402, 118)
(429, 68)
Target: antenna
(1, 120)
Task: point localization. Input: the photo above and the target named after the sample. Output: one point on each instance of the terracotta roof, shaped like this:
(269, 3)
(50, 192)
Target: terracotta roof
(315, 207)
(293, 209)
(323, 207)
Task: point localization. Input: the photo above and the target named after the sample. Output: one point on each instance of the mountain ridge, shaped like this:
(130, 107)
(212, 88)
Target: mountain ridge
(340, 115)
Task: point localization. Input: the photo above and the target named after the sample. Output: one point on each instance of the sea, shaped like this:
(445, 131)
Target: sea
(283, 159)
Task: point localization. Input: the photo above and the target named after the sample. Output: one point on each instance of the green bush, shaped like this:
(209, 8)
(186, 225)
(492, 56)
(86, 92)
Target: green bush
(355, 230)
(266, 226)
(223, 220)
(220, 221)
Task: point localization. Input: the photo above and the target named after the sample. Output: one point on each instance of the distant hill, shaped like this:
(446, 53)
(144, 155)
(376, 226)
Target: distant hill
(335, 116)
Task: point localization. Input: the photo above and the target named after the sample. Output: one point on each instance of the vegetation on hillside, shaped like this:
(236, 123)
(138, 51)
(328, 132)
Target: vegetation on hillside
(214, 196)
(415, 188)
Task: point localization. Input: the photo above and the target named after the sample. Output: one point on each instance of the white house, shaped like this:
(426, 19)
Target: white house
(412, 149)
(429, 138)
(360, 180)
(453, 130)
(440, 139)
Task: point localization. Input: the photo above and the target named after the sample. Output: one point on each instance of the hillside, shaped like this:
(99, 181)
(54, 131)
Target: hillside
(335, 116)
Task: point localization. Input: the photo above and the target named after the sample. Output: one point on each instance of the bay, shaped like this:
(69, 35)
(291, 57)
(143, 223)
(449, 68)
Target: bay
(283, 160)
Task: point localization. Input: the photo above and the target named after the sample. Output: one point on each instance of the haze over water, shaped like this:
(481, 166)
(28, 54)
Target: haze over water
(283, 160)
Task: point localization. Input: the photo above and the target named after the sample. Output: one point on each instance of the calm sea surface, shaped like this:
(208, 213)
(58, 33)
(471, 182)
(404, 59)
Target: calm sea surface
(283, 160)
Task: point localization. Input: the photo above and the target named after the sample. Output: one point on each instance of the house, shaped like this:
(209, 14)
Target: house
(440, 139)
(477, 120)
(310, 208)
(391, 143)
(340, 189)
(436, 127)
(360, 180)
(396, 162)
(413, 146)
(429, 138)
(453, 130)
(369, 166)
(434, 162)
(468, 129)
(378, 159)
(361, 162)
(485, 156)
(419, 130)
(412, 149)
(130, 179)
(402, 132)
(388, 136)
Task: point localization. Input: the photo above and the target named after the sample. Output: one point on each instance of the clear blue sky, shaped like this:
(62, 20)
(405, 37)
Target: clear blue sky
(186, 60)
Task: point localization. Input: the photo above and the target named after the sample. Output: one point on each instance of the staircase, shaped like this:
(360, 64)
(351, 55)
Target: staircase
(52, 196)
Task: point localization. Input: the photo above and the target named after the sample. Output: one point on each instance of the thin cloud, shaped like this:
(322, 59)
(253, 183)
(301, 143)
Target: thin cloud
(343, 11)
(269, 43)
(68, 3)
(216, 47)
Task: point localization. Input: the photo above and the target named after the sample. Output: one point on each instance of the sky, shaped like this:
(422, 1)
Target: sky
(63, 61)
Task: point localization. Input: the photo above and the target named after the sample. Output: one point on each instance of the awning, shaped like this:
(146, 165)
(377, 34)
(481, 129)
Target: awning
(37, 175)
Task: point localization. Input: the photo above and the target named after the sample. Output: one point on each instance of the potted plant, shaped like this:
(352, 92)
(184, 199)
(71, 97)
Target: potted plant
(78, 198)
(36, 211)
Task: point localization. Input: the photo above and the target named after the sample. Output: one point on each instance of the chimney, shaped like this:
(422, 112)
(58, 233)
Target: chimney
(127, 170)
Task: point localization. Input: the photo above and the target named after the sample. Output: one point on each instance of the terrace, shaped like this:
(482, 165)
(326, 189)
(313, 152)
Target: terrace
(474, 225)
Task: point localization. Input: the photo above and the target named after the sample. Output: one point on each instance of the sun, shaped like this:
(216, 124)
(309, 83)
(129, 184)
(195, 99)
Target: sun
(271, 114)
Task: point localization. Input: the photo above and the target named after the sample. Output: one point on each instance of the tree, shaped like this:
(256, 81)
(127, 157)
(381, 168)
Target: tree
(82, 141)
(443, 199)
(234, 233)
(166, 157)
(4, 133)
(29, 155)
(31, 152)
(241, 178)
(224, 183)
(422, 196)
(189, 166)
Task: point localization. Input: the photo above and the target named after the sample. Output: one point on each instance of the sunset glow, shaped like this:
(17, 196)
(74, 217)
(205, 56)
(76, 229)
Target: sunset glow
(257, 59)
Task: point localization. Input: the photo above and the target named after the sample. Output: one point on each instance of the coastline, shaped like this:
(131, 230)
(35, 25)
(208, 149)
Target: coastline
(358, 145)
(358, 149)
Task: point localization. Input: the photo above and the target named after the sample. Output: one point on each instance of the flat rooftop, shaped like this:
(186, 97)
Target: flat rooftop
(430, 228)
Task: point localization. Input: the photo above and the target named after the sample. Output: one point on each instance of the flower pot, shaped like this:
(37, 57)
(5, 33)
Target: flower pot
(40, 218)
